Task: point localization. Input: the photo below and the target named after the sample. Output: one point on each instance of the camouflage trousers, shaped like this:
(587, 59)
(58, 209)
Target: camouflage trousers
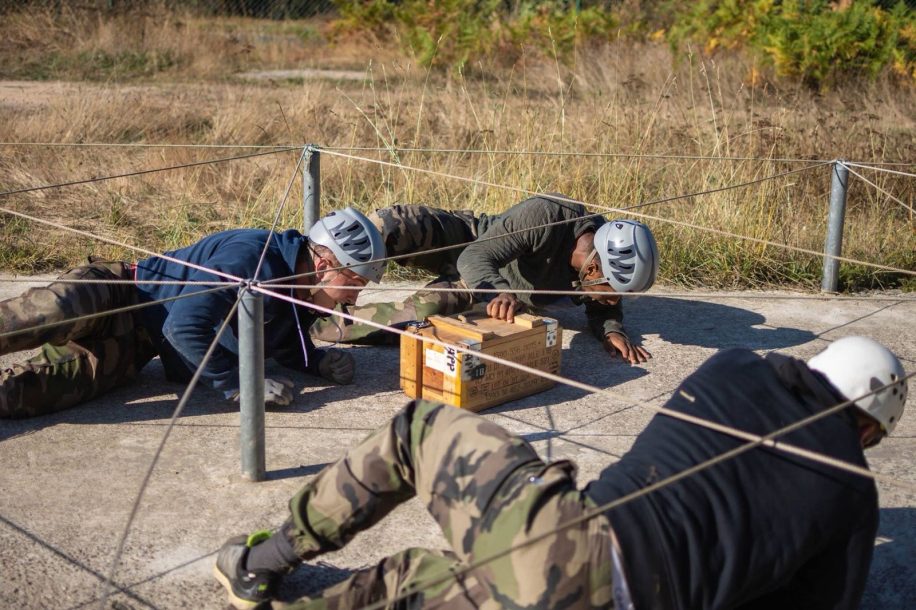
(398, 314)
(79, 359)
(411, 229)
(415, 229)
(487, 489)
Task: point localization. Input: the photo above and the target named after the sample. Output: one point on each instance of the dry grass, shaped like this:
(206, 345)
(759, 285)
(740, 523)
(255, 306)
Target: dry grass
(617, 99)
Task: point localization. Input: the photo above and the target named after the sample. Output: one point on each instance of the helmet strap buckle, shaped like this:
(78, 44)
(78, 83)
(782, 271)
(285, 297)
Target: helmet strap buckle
(582, 271)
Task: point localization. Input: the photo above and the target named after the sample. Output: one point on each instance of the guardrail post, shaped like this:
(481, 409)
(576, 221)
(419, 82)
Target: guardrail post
(311, 187)
(834, 244)
(251, 384)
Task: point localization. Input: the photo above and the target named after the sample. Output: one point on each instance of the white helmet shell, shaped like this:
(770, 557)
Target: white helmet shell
(628, 255)
(857, 366)
(354, 240)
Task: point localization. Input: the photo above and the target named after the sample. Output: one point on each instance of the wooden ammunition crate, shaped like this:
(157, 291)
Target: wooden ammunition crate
(464, 380)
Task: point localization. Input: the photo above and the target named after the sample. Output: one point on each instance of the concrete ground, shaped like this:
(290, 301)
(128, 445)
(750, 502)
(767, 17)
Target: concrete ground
(69, 480)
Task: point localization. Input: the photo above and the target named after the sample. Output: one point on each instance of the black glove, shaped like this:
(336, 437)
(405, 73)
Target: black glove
(338, 366)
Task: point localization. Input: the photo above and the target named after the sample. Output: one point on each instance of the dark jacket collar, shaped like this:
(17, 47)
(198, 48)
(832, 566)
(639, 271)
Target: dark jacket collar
(803, 381)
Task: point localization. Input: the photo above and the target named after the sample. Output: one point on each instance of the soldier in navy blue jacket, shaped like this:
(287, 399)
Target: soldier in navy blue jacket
(81, 358)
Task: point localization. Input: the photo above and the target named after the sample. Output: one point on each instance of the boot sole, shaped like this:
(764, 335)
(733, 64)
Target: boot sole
(234, 601)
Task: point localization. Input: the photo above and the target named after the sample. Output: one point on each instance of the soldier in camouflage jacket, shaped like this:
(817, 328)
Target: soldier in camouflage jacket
(762, 529)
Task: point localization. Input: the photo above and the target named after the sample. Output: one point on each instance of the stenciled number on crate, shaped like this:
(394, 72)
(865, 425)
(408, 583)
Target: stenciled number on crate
(471, 366)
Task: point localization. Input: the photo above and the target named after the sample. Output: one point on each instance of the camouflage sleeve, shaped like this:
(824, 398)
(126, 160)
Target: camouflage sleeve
(604, 319)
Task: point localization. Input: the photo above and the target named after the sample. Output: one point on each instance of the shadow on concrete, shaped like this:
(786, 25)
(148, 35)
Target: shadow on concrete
(890, 583)
(293, 472)
(118, 407)
(706, 324)
(310, 579)
(127, 405)
(378, 367)
(680, 321)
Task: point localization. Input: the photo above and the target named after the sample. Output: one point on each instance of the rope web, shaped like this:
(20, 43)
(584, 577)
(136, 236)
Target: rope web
(270, 287)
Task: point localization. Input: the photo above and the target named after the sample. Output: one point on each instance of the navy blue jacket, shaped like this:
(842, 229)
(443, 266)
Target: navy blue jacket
(184, 329)
(762, 530)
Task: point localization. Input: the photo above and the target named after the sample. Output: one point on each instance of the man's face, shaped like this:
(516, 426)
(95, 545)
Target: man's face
(595, 291)
(337, 286)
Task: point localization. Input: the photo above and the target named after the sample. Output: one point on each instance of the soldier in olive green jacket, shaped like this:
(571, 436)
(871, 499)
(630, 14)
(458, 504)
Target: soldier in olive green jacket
(542, 243)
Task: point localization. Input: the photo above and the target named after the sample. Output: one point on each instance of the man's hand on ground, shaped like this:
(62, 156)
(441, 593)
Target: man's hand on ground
(504, 307)
(618, 344)
(338, 366)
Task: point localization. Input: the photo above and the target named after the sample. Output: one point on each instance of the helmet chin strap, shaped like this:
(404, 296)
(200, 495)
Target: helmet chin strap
(314, 288)
(582, 281)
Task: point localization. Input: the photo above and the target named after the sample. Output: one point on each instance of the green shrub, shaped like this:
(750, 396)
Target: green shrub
(365, 14)
(819, 45)
(716, 24)
(549, 27)
(815, 41)
(452, 33)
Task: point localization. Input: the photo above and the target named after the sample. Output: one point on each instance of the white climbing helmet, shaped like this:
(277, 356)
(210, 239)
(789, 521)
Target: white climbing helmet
(354, 240)
(628, 255)
(858, 365)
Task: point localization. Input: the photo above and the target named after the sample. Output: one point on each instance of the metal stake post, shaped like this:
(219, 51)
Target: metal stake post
(311, 187)
(251, 384)
(834, 244)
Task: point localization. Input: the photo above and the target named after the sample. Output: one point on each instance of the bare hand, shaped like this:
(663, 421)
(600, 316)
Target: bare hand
(504, 307)
(617, 344)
